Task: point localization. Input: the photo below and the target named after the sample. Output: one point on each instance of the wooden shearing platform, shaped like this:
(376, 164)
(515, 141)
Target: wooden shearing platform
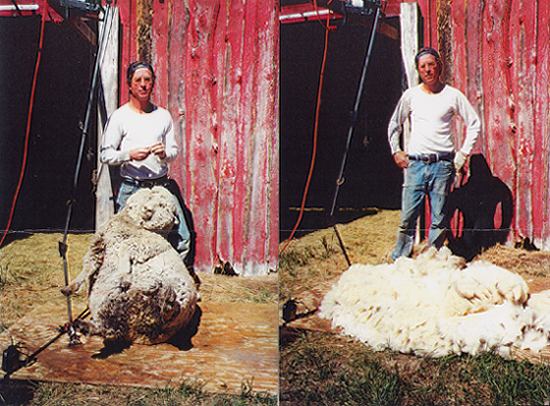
(235, 344)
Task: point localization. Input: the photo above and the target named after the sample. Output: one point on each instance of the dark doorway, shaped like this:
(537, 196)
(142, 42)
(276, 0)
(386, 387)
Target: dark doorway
(371, 178)
(60, 104)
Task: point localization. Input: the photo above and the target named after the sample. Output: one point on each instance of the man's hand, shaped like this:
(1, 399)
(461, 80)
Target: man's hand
(139, 154)
(460, 160)
(158, 150)
(401, 159)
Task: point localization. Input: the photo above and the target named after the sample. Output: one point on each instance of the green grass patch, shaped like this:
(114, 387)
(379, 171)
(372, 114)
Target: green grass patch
(512, 382)
(189, 393)
(326, 369)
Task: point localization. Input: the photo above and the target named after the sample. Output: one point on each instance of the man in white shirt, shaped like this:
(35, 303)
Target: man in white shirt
(430, 159)
(139, 136)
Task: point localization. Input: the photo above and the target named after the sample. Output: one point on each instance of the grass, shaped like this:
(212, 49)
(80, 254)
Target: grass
(57, 394)
(318, 256)
(324, 368)
(33, 273)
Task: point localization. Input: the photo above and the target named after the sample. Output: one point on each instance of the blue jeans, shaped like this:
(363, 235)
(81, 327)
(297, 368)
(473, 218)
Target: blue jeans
(421, 179)
(183, 244)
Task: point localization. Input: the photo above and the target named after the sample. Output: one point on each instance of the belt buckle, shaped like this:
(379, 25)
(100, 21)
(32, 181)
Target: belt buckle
(431, 158)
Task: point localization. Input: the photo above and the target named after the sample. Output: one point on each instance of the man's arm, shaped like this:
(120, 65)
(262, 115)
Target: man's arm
(473, 128)
(171, 147)
(472, 121)
(395, 131)
(112, 137)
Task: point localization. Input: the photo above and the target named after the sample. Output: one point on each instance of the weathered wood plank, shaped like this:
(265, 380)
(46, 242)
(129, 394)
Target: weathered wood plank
(109, 84)
(235, 343)
(541, 195)
(522, 50)
(408, 19)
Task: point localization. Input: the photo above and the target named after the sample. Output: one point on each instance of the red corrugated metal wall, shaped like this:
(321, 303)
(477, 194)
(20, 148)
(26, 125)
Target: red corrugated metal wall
(498, 52)
(217, 72)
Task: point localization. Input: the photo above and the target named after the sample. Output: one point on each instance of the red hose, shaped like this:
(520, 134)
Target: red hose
(315, 133)
(28, 129)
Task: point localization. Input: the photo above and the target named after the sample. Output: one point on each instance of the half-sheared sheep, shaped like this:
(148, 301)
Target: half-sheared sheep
(436, 305)
(139, 288)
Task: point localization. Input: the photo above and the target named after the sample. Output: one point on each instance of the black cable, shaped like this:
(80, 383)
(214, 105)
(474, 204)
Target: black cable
(340, 179)
(17, 7)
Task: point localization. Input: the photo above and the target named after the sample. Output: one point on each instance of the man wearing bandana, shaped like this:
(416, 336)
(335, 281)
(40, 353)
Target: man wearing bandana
(431, 160)
(139, 137)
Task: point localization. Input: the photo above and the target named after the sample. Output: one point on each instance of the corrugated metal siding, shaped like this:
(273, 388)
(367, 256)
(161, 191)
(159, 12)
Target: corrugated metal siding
(499, 56)
(217, 72)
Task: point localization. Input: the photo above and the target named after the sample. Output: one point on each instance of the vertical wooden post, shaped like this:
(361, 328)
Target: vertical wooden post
(408, 19)
(108, 102)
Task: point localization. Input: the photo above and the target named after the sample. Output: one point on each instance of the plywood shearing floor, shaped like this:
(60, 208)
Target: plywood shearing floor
(235, 344)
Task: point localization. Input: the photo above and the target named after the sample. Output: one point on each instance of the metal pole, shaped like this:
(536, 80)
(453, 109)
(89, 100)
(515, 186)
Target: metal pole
(340, 179)
(91, 96)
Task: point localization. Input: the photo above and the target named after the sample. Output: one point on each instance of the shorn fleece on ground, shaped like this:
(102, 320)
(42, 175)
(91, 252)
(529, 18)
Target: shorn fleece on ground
(437, 305)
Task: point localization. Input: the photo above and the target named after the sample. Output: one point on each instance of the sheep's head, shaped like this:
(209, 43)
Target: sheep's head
(153, 209)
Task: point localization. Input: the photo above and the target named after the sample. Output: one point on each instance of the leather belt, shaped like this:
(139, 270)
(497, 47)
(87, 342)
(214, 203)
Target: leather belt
(149, 183)
(431, 158)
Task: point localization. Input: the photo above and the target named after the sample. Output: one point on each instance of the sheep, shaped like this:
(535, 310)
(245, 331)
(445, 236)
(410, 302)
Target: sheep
(139, 290)
(436, 304)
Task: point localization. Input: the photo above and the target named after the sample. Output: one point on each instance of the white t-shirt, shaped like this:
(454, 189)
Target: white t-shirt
(430, 115)
(128, 129)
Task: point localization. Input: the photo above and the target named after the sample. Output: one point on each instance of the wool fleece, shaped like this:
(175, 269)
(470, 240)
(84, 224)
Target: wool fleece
(436, 304)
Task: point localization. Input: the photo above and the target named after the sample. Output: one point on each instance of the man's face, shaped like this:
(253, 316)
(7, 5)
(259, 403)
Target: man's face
(141, 85)
(429, 69)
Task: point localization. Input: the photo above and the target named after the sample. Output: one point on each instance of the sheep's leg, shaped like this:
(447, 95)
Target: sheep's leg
(93, 259)
(88, 328)
(75, 285)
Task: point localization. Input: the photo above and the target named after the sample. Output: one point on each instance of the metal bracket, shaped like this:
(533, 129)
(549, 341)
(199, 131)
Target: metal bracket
(62, 248)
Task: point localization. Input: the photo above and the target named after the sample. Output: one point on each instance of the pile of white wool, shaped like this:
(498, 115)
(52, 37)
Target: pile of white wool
(437, 305)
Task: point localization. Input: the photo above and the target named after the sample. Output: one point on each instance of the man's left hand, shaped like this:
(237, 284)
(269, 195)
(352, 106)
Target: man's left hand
(158, 150)
(460, 160)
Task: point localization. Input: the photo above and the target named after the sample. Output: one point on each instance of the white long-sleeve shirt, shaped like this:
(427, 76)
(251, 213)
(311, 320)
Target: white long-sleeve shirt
(127, 129)
(431, 115)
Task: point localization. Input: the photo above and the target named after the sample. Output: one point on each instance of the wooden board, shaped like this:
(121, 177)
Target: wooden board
(105, 207)
(235, 344)
(307, 303)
